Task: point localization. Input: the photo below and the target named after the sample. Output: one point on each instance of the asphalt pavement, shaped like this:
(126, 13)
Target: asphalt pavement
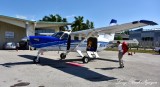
(17, 70)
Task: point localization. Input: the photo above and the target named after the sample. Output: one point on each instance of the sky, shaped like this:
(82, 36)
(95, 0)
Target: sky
(98, 11)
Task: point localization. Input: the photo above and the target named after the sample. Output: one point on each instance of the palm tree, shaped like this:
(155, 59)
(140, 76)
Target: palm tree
(89, 25)
(52, 18)
(79, 25)
(58, 18)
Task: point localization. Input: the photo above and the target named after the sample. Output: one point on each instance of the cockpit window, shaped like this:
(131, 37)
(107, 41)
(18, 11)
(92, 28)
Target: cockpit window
(64, 37)
(58, 35)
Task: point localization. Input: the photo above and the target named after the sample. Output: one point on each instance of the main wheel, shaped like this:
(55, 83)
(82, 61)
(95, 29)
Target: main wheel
(85, 59)
(62, 55)
(35, 60)
(159, 51)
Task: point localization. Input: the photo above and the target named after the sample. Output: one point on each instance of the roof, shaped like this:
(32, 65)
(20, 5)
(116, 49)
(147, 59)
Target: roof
(16, 18)
(48, 22)
(23, 22)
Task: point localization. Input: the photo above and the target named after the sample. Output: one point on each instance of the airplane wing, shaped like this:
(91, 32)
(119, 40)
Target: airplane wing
(112, 29)
(116, 28)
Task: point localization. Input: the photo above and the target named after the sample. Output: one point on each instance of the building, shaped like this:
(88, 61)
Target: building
(14, 29)
(123, 36)
(146, 38)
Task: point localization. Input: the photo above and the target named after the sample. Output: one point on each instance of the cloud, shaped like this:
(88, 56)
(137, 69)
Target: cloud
(70, 16)
(30, 17)
(21, 17)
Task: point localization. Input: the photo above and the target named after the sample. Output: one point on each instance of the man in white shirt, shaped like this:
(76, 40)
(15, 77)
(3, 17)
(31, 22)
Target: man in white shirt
(120, 54)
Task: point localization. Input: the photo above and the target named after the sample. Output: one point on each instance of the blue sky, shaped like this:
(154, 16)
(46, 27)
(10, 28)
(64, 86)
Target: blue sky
(98, 11)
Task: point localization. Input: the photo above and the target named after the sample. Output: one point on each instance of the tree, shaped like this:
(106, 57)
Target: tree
(79, 25)
(89, 24)
(56, 18)
(126, 32)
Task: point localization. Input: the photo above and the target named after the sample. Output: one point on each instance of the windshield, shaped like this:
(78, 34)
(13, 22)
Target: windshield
(64, 37)
(58, 34)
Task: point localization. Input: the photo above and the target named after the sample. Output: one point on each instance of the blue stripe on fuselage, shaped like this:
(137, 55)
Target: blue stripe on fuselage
(45, 41)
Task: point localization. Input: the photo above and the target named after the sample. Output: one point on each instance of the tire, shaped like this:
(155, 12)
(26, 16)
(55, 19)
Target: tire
(85, 59)
(62, 56)
(159, 51)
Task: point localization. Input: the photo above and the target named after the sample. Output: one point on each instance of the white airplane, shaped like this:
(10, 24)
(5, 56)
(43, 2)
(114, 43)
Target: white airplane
(90, 40)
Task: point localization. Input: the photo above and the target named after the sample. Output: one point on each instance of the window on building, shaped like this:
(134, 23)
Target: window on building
(147, 38)
(39, 30)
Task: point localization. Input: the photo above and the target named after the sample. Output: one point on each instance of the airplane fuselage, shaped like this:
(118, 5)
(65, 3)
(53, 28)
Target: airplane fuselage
(55, 44)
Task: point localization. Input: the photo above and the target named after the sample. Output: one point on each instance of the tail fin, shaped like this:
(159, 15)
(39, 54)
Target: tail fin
(110, 37)
(113, 22)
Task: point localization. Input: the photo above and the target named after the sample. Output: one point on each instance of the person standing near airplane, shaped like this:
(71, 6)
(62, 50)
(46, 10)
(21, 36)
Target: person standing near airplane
(120, 54)
(17, 46)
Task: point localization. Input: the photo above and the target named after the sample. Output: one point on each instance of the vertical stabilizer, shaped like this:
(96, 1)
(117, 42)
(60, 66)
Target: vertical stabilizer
(113, 22)
(110, 37)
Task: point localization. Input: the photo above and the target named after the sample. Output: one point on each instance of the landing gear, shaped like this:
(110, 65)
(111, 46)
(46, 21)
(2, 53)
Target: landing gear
(35, 60)
(94, 56)
(62, 55)
(85, 59)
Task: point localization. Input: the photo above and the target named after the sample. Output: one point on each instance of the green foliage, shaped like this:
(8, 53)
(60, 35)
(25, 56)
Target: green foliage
(55, 18)
(79, 24)
(118, 38)
(126, 32)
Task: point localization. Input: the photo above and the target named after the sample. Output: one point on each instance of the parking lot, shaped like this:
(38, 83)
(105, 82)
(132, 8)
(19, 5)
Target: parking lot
(17, 69)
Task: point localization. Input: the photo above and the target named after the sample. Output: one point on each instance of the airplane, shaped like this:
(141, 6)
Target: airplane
(90, 41)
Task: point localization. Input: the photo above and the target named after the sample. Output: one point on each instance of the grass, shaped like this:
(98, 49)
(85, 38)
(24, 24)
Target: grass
(134, 50)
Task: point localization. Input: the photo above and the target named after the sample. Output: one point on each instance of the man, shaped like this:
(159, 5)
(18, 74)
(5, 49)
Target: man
(120, 54)
(17, 46)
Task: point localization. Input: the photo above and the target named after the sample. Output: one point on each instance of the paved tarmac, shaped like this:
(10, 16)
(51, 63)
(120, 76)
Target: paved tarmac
(17, 70)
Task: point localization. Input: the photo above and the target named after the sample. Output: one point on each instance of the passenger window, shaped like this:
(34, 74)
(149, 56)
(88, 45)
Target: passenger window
(76, 38)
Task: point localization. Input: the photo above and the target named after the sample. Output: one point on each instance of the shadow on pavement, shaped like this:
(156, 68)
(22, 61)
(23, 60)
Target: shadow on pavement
(107, 60)
(81, 72)
(17, 63)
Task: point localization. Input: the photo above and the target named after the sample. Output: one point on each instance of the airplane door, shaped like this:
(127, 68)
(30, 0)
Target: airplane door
(91, 44)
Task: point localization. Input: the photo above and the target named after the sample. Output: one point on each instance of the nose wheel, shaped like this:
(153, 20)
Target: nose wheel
(85, 59)
(35, 60)
(62, 55)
